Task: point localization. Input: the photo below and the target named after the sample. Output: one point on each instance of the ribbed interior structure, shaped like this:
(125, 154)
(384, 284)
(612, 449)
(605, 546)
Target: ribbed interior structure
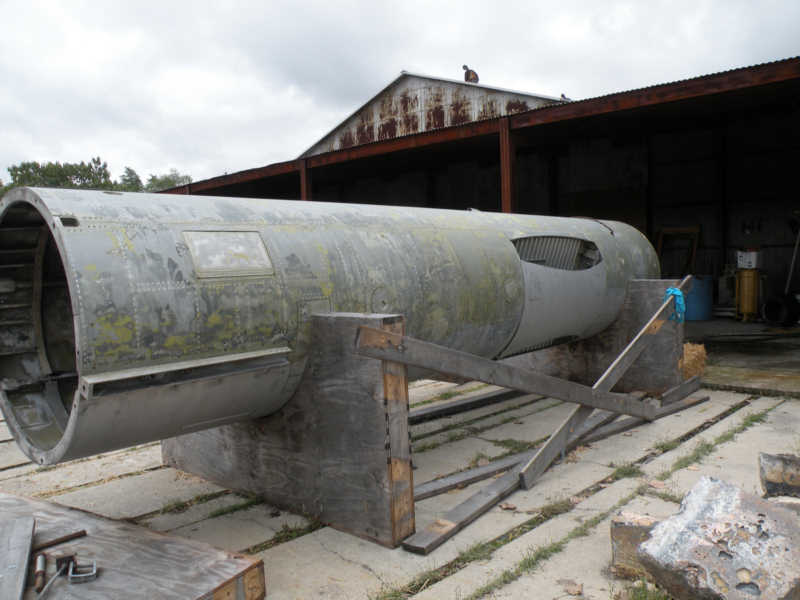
(557, 252)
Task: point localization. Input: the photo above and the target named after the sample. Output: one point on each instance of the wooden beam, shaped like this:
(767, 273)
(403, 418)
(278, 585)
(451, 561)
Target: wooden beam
(631, 422)
(455, 519)
(463, 478)
(508, 201)
(429, 413)
(16, 535)
(524, 473)
(680, 391)
(597, 427)
(410, 351)
(556, 444)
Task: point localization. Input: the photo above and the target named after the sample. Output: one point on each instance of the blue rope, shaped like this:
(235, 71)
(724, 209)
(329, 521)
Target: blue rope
(679, 307)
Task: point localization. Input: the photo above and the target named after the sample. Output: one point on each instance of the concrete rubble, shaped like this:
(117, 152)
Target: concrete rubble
(725, 544)
(779, 474)
(628, 531)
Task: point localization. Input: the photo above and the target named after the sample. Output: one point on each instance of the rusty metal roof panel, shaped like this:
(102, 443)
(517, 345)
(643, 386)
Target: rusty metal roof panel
(549, 111)
(731, 73)
(415, 103)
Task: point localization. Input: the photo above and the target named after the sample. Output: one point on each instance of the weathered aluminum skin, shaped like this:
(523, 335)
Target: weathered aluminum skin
(416, 103)
(193, 311)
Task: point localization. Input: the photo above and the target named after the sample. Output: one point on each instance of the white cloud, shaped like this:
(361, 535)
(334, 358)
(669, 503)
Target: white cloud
(218, 87)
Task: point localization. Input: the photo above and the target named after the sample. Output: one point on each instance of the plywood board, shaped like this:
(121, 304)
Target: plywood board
(16, 537)
(136, 562)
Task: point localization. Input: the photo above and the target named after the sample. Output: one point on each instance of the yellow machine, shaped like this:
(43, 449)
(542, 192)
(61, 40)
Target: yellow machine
(747, 282)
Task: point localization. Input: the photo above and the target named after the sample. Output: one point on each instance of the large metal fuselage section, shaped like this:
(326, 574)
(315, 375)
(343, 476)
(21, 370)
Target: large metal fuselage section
(127, 318)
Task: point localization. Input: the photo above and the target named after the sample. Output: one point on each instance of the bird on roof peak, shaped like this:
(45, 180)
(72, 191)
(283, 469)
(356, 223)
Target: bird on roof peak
(470, 76)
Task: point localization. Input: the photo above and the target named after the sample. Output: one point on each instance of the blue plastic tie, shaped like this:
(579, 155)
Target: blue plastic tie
(679, 306)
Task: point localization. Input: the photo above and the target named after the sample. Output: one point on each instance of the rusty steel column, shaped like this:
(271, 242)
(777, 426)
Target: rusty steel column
(305, 181)
(508, 199)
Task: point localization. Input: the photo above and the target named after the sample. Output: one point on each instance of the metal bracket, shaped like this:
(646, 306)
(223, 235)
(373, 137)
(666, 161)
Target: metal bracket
(82, 573)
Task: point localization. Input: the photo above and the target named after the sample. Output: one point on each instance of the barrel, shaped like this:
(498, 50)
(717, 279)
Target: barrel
(700, 299)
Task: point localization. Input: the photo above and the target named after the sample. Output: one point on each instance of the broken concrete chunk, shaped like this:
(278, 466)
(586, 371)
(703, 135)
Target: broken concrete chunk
(780, 474)
(725, 544)
(628, 531)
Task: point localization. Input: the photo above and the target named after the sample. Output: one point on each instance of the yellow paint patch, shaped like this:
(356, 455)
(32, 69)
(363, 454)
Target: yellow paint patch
(119, 331)
(175, 341)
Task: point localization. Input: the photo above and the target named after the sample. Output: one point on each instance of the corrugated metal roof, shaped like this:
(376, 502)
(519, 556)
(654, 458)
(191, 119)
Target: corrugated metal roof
(757, 74)
(414, 103)
(676, 82)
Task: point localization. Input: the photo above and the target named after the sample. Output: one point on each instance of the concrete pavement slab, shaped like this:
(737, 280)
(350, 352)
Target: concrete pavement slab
(76, 473)
(11, 455)
(137, 495)
(665, 461)
(239, 530)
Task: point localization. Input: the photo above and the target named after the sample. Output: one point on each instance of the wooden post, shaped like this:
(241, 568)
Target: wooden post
(508, 200)
(339, 450)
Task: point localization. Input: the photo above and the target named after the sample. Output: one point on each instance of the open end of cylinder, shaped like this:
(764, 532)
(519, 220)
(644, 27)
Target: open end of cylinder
(37, 340)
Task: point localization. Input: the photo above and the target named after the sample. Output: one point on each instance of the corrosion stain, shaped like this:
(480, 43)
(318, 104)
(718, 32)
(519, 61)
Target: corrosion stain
(387, 108)
(459, 111)
(387, 129)
(434, 116)
(411, 123)
(488, 110)
(364, 133)
(405, 102)
(515, 106)
(347, 140)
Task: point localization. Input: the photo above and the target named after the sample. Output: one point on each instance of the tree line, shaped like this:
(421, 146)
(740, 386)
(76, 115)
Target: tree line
(92, 175)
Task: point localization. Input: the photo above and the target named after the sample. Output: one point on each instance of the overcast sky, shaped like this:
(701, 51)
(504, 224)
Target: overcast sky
(215, 87)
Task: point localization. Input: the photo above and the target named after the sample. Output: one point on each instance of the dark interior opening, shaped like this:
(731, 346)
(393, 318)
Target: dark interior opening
(37, 340)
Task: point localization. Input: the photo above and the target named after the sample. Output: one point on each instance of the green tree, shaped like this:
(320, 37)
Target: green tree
(157, 183)
(91, 175)
(88, 175)
(130, 181)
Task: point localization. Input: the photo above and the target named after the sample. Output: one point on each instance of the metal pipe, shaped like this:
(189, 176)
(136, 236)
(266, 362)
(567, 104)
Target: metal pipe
(147, 316)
